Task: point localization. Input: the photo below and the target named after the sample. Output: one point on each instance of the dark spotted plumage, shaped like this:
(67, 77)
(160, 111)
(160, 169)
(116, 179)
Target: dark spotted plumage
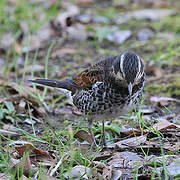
(107, 89)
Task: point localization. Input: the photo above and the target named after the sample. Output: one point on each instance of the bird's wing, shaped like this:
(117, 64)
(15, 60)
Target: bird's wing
(83, 80)
(97, 72)
(88, 77)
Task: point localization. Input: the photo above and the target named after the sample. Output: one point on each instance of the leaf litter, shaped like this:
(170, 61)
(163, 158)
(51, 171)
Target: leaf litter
(130, 149)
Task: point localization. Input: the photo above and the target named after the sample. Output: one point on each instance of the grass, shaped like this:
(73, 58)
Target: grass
(62, 141)
(32, 12)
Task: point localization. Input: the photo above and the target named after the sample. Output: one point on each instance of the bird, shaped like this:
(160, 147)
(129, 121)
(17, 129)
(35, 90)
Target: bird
(107, 89)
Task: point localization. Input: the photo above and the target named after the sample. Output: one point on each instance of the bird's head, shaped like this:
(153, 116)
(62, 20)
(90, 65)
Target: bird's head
(128, 67)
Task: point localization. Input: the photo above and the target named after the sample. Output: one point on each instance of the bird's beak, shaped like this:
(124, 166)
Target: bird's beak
(130, 88)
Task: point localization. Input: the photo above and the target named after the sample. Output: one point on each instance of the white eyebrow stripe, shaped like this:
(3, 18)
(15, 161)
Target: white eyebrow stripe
(139, 74)
(121, 65)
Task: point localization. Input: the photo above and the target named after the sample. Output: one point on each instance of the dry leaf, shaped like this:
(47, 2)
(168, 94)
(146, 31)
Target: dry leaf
(107, 172)
(63, 110)
(163, 101)
(24, 164)
(131, 142)
(23, 146)
(125, 160)
(130, 131)
(63, 51)
(31, 68)
(77, 172)
(84, 135)
(39, 156)
(153, 69)
(76, 112)
(38, 40)
(20, 90)
(153, 14)
(103, 156)
(23, 91)
(77, 32)
(86, 149)
(64, 19)
(163, 125)
(98, 164)
(116, 174)
(18, 47)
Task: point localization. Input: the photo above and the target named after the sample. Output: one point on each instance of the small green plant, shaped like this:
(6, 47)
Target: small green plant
(8, 112)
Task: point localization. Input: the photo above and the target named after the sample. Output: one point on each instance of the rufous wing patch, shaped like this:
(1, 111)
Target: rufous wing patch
(88, 77)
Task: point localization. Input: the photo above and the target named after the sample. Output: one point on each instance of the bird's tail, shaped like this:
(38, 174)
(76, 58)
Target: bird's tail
(67, 84)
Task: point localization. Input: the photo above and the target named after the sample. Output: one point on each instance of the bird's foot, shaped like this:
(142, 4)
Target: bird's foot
(94, 144)
(104, 141)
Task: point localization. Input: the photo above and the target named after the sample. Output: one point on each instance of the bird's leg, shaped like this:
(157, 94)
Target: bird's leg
(91, 132)
(103, 134)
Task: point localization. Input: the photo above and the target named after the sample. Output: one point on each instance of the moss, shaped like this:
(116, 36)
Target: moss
(171, 24)
(171, 89)
(174, 88)
(154, 88)
(176, 63)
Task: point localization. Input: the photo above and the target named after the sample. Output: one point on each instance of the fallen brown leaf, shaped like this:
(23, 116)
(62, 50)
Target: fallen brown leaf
(77, 172)
(98, 164)
(124, 160)
(20, 89)
(85, 149)
(18, 47)
(23, 165)
(163, 125)
(21, 106)
(131, 142)
(65, 19)
(39, 39)
(107, 172)
(37, 156)
(130, 131)
(84, 135)
(32, 68)
(103, 156)
(116, 174)
(162, 101)
(63, 51)
(23, 90)
(76, 112)
(23, 146)
(152, 69)
(63, 110)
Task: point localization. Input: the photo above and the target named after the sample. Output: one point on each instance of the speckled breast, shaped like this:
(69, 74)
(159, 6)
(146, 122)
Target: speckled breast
(103, 99)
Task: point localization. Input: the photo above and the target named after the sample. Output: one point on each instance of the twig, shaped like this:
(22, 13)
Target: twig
(57, 166)
(9, 133)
